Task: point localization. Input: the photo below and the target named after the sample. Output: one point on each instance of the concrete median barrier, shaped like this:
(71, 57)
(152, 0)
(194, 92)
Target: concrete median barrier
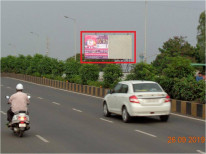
(188, 108)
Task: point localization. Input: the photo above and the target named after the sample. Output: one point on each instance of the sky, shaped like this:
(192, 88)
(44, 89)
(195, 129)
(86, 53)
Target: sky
(26, 25)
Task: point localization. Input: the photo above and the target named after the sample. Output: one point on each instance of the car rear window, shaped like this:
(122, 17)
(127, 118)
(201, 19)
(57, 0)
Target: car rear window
(146, 87)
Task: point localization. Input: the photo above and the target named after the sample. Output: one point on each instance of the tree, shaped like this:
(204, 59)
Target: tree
(201, 37)
(176, 46)
(161, 62)
(73, 57)
(112, 74)
(179, 67)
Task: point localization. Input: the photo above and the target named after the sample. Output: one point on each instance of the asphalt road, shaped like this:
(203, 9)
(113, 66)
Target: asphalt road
(67, 122)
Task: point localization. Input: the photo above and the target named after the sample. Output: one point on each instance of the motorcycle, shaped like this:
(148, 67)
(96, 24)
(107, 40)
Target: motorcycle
(20, 122)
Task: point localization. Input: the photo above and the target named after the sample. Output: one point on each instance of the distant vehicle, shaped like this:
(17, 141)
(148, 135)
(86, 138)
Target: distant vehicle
(137, 98)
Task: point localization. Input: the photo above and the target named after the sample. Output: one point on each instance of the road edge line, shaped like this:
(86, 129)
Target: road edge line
(56, 88)
(187, 117)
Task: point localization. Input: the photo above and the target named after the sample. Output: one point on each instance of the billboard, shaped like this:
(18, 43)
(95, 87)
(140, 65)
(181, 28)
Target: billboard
(96, 47)
(108, 47)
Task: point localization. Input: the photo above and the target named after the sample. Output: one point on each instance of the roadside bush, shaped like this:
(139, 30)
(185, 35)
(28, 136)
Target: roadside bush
(59, 78)
(49, 76)
(34, 64)
(189, 89)
(71, 69)
(95, 83)
(112, 74)
(76, 79)
(28, 60)
(45, 66)
(8, 64)
(20, 64)
(36, 74)
(166, 83)
(142, 71)
(4, 64)
(201, 92)
(89, 72)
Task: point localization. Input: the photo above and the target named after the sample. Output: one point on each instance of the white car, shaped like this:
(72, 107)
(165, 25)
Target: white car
(137, 98)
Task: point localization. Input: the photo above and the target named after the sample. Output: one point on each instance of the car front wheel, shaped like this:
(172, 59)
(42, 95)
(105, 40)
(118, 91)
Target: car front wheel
(125, 115)
(105, 110)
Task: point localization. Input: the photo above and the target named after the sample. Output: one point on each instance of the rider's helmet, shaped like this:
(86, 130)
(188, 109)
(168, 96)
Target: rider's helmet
(19, 86)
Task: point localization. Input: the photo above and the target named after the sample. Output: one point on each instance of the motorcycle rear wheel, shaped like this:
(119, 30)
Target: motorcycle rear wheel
(20, 134)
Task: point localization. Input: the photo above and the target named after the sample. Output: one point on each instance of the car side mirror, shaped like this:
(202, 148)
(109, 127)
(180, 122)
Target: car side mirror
(7, 97)
(110, 91)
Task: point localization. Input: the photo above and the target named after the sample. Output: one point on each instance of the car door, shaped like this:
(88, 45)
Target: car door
(113, 97)
(121, 98)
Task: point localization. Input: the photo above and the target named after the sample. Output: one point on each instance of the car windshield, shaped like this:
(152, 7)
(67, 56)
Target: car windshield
(146, 87)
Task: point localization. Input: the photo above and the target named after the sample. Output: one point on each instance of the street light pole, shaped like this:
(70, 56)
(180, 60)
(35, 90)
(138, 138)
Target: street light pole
(13, 46)
(47, 46)
(145, 34)
(38, 40)
(75, 41)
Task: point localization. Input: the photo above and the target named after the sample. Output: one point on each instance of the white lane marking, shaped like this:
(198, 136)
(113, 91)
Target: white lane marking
(106, 120)
(56, 103)
(39, 98)
(8, 87)
(56, 88)
(76, 110)
(3, 112)
(199, 151)
(187, 117)
(41, 138)
(145, 133)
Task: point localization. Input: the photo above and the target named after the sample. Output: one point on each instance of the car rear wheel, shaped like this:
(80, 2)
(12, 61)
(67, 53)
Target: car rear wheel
(164, 118)
(105, 110)
(125, 116)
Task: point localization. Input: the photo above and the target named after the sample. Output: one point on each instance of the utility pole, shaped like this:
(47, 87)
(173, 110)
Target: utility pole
(145, 33)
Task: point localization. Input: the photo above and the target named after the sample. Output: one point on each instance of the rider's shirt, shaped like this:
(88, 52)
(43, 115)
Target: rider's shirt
(19, 102)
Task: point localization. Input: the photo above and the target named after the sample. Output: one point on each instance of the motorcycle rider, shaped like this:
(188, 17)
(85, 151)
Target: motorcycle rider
(18, 101)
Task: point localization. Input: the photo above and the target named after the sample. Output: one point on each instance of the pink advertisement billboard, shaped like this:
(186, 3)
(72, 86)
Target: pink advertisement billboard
(96, 46)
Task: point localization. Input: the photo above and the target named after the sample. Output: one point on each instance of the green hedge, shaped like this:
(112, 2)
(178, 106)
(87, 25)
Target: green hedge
(177, 79)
